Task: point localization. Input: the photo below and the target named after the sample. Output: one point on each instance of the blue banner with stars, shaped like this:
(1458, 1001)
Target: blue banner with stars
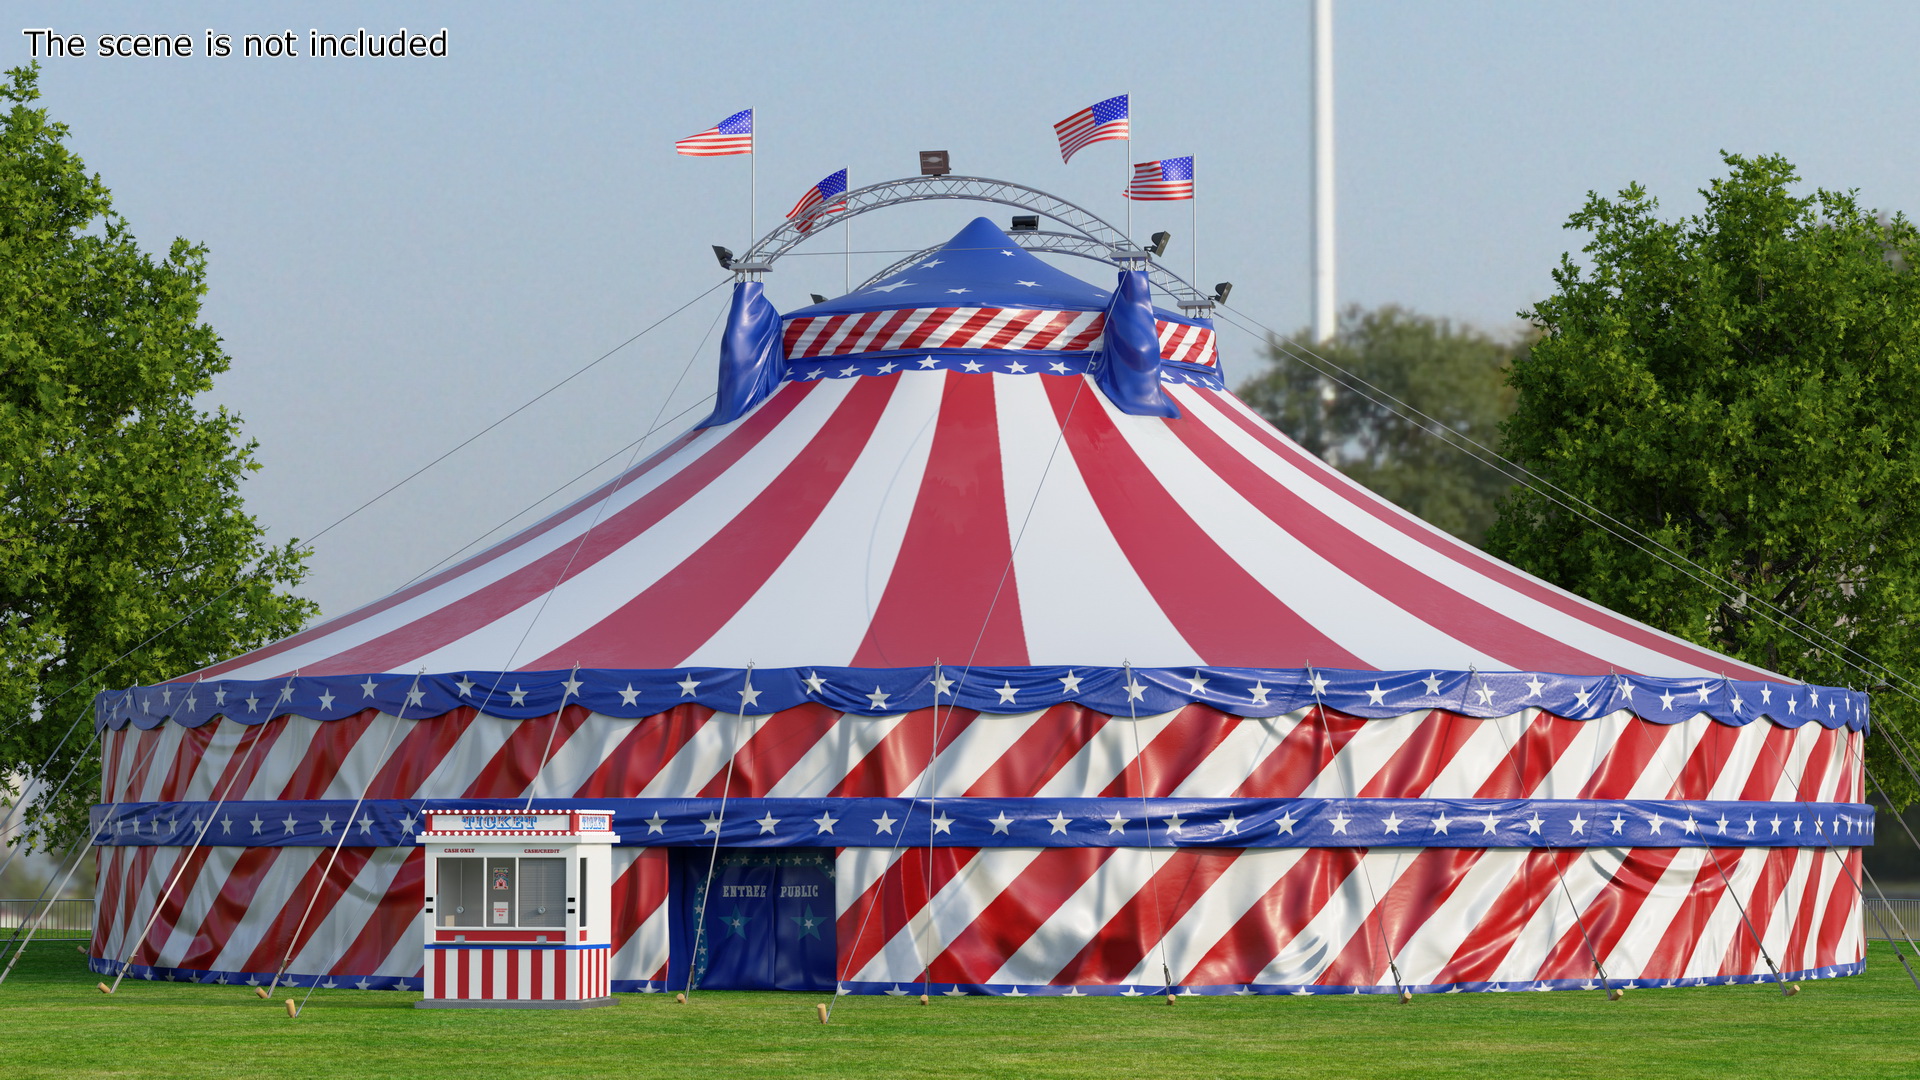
(1115, 691)
(1040, 822)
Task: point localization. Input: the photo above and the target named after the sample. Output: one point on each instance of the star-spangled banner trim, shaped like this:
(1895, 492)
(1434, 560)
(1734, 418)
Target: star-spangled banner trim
(150, 973)
(1115, 691)
(1040, 822)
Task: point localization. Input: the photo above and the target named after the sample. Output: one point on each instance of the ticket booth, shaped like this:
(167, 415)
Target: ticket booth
(517, 912)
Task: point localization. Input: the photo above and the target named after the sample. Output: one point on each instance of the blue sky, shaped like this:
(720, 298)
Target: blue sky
(404, 250)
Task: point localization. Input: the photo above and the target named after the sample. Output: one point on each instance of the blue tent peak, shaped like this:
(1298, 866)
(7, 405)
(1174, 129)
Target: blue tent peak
(980, 267)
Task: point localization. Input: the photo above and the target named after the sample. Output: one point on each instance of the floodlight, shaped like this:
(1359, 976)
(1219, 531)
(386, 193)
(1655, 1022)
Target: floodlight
(1160, 242)
(934, 163)
(1221, 290)
(1025, 223)
(817, 298)
(725, 255)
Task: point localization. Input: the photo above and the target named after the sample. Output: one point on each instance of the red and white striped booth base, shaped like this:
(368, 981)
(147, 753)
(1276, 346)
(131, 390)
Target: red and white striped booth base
(470, 976)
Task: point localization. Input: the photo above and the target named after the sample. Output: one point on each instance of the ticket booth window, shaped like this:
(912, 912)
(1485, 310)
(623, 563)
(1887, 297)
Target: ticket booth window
(543, 892)
(463, 892)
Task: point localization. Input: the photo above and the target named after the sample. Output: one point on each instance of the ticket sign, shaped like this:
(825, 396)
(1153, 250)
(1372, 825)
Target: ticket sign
(500, 822)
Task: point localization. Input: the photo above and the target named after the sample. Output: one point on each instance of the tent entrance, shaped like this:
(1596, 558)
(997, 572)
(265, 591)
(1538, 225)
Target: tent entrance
(769, 919)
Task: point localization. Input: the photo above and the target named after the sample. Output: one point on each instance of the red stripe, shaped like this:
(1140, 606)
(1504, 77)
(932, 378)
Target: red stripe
(1402, 911)
(791, 334)
(690, 603)
(1307, 750)
(1228, 617)
(1626, 760)
(953, 591)
(637, 893)
(139, 875)
(1131, 934)
(108, 873)
(496, 600)
(1170, 348)
(1050, 741)
(781, 740)
(1085, 338)
(1688, 923)
(518, 761)
(1487, 944)
(899, 894)
(901, 755)
(1422, 757)
(1193, 734)
(419, 753)
(187, 757)
(1743, 952)
(1276, 919)
(230, 905)
(463, 964)
(1842, 911)
(249, 756)
(646, 750)
(843, 337)
(187, 866)
(1012, 917)
(959, 337)
(1054, 327)
(1473, 559)
(439, 990)
(1769, 765)
(590, 500)
(1704, 765)
(541, 982)
(934, 321)
(1531, 757)
(1016, 322)
(273, 946)
(326, 751)
(883, 337)
(394, 917)
(1418, 594)
(143, 763)
(514, 956)
(1609, 915)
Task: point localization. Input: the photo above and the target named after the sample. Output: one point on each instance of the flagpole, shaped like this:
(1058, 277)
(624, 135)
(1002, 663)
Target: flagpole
(846, 235)
(1128, 171)
(1193, 241)
(753, 230)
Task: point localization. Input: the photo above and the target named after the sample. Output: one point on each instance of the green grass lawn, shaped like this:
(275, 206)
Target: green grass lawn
(54, 1023)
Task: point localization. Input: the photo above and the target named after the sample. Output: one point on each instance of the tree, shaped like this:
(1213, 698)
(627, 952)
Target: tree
(1741, 387)
(1454, 374)
(120, 511)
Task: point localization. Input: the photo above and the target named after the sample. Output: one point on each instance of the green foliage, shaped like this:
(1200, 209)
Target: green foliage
(1454, 374)
(1742, 386)
(120, 509)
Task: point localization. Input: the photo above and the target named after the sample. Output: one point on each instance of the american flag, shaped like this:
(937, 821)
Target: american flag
(835, 184)
(1167, 179)
(1098, 122)
(734, 135)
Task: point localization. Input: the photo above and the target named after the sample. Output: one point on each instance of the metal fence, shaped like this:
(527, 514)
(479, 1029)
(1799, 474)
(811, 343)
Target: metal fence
(1892, 918)
(67, 918)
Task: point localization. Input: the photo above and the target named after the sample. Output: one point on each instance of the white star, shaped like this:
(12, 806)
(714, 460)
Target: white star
(289, 823)
(628, 695)
(573, 685)
(1581, 697)
(1579, 824)
(688, 685)
(1534, 823)
(1492, 823)
(1230, 825)
(1440, 823)
(166, 695)
(1058, 821)
(367, 688)
(416, 696)
(927, 362)
(252, 702)
(1070, 685)
(220, 695)
(942, 684)
(656, 824)
(929, 264)
(971, 365)
(1134, 690)
(1391, 822)
(1319, 685)
(826, 821)
(1766, 693)
(767, 823)
(518, 695)
(943, 824)
(1376, 696)
(1028, 284)
(1116, 824)
(1006, 690)
(1737, 702)
(815, 684)
(256, 824)
(712, 823)
(889, 287)
(887, 368)
(955, 992)
(1751, 823)
(1691, 825)
(816, 373)
(362, 984)
(1796, 826)
(326, 824)
(748, 696)
(1485, 694)
(286, 692)
(1432, 683)
(1058, 367)
(196, 823)
(1340, 821)
(466, 685)
(963, 290)
(326, 701)
(1000, 822)
(1813, 694)
(1174, 824)
(1534, 686)
(226, 824)
(1704, 695)
(1655, 825)
(878, 698)
(1666, 701)
(1004, 251)
(1618, 824)
(406, 823)
(848, 370)
(884, 823)
(1016, 368)
(1260, 691)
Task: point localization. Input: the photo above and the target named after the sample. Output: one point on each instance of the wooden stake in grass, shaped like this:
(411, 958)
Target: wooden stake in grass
(1616, 994)
(81, 949)
(1171, 999)
(679, 999)
(293, 1011)
(260, 992)
(821, 1008)
(923, 999)
(1406, 997)
(1792, 989)
(104, 988)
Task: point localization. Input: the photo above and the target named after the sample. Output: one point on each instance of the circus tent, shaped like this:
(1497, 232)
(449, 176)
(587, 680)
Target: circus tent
(982, 609)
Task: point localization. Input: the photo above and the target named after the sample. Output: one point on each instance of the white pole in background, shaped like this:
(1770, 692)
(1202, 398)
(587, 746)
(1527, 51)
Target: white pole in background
(1324, 313)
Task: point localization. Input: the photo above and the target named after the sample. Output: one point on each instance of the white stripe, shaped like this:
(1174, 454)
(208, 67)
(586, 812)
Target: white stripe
(955, 907)
(703, 757)
(1111, 750)
(832, 756)
(980, 746)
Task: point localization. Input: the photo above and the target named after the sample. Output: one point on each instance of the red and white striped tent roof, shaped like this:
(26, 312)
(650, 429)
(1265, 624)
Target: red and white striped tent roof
(972, 506)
